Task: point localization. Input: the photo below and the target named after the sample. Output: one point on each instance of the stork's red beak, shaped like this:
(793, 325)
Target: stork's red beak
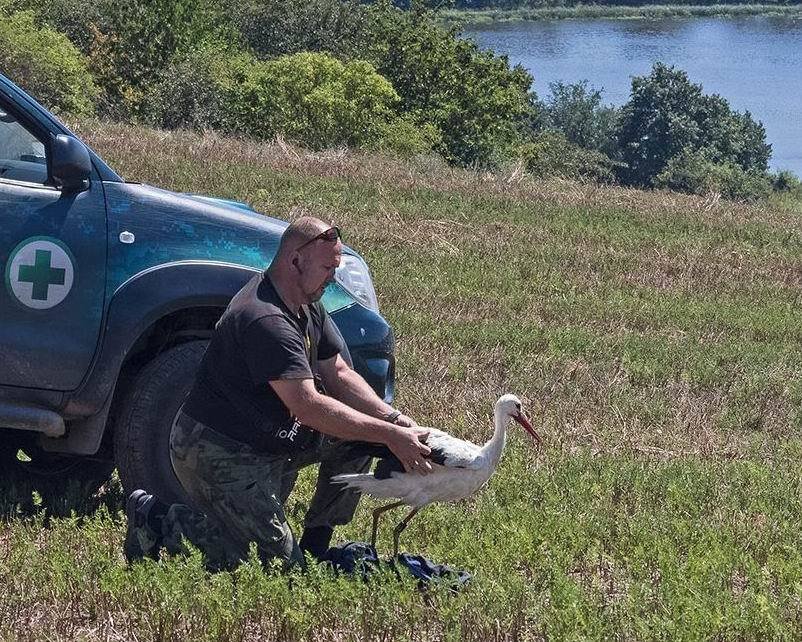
(521, 419)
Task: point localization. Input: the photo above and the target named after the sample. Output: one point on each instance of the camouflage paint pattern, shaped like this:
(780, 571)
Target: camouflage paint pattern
(171, 227)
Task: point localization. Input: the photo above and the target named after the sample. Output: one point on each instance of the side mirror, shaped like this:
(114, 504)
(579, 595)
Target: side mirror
(70, 165)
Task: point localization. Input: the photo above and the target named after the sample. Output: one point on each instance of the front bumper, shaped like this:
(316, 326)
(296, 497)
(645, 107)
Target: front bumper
(371, 345)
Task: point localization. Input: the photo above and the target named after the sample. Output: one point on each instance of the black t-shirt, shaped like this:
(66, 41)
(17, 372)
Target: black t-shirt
(257, 340)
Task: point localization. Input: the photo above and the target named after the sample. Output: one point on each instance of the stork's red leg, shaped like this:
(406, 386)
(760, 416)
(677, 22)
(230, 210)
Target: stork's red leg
(376, 514)
(400, 528)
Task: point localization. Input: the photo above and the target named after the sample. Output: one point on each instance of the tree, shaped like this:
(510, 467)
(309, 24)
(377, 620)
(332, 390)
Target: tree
(473, 107)
(137, 42)
(577, 111)
(479, 104)
(275, 28)
(694, 172)
(550, 153)
(668, 115)
(70, 17)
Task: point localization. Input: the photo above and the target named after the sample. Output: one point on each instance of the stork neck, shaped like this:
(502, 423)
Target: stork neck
(494, 447)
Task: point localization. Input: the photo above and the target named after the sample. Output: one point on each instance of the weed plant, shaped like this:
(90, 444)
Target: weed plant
(655, 341)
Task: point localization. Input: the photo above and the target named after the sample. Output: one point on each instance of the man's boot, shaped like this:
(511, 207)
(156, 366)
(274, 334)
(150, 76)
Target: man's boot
(143, 536)
(315, 540)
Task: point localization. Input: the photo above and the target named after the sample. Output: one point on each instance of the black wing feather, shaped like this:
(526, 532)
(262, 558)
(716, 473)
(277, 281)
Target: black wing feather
(386, 467)
(388, 463)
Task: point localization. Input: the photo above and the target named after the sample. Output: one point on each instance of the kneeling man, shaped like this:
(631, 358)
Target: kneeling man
(273, 394)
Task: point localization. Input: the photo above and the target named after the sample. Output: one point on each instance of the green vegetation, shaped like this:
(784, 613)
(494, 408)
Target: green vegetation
(655, 340)
(534, 4)
(581, 10)
(668, 118)
(483, 11)
(479, 105)
(53, 69)
(576, 110)
(376, 76)
(592, 547)
(552, 154)
(696, 173)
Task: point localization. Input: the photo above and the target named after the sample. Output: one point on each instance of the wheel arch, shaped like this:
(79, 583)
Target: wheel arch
(151, 312)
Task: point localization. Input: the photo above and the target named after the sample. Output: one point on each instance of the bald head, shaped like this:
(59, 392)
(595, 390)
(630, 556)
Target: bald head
(299, 232)
(306, 261)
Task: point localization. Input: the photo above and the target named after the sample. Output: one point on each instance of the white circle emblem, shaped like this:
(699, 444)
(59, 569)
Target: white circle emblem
(40, 273)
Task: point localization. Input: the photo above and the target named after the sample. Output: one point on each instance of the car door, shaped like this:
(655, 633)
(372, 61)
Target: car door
(53, 262)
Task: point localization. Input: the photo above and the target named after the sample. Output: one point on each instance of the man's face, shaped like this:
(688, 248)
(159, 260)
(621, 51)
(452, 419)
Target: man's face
(317, 262)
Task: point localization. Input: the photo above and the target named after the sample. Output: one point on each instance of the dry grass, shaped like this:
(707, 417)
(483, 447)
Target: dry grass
(139, 152)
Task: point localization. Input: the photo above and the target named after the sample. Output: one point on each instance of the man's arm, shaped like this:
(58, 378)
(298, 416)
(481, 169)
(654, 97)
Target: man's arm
(347, 385)
(332, 417)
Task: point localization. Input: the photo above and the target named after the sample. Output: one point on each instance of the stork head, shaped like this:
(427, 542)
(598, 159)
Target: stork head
(509, 406)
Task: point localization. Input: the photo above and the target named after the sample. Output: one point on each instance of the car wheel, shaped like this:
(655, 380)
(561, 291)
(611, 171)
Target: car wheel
(142, 432)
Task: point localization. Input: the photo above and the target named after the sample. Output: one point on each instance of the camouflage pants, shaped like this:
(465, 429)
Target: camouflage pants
(237, 495)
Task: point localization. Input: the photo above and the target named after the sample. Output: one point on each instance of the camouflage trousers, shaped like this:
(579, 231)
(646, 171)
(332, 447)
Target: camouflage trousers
(237, 495)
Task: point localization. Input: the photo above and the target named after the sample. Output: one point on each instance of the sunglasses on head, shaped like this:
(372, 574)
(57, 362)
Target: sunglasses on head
(330, 235)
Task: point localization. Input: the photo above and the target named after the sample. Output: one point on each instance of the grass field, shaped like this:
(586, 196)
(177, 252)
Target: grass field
(589, 10)
(656, 341)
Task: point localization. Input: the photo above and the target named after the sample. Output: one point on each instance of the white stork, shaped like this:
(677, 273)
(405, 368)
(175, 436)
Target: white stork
(459, 468)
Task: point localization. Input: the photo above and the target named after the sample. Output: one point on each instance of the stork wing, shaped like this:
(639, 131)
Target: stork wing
(447, 451)
(451, 452)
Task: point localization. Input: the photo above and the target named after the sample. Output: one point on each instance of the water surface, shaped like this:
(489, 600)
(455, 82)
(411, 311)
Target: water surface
(753, 62)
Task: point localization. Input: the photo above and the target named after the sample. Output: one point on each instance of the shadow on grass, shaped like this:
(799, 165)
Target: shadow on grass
(26, 496)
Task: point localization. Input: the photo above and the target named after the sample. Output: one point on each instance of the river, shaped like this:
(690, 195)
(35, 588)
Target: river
(753, 62)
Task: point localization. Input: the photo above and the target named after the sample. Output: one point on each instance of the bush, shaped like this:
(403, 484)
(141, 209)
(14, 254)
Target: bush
(274, 28)
(552, 154)
(404, 137)
(312, 99)
(786, 182)
(46, 64)
(152, 63)
(478, 106)
(667, 115)
(77, 19)
(190, 94)
(694, 172)
(139, 39)
(577, 112)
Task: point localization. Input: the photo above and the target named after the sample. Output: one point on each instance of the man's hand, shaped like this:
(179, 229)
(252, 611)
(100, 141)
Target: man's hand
(406, 444)
(405, 421)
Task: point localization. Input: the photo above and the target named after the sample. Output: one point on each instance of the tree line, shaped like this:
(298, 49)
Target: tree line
(329, 73)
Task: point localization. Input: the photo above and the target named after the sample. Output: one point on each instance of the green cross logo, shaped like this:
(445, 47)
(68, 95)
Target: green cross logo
(41, 275)
(40, 272)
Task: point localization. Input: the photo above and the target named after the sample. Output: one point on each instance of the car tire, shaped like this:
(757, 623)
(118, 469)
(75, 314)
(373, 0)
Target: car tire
(142, 432)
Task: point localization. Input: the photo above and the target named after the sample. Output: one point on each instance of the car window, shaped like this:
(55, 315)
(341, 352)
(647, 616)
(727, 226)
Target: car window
(22, 155)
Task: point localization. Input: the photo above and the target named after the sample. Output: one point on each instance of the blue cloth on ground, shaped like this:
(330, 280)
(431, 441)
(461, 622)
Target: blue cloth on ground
(361, 558)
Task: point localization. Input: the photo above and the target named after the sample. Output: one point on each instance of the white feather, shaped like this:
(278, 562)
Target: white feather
(466, 466)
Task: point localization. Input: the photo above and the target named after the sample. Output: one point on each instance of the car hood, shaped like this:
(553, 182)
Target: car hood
(170, 227)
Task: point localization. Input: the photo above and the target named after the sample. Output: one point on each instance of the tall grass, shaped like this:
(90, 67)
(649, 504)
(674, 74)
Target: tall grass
(480, 17)
(655, 339)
